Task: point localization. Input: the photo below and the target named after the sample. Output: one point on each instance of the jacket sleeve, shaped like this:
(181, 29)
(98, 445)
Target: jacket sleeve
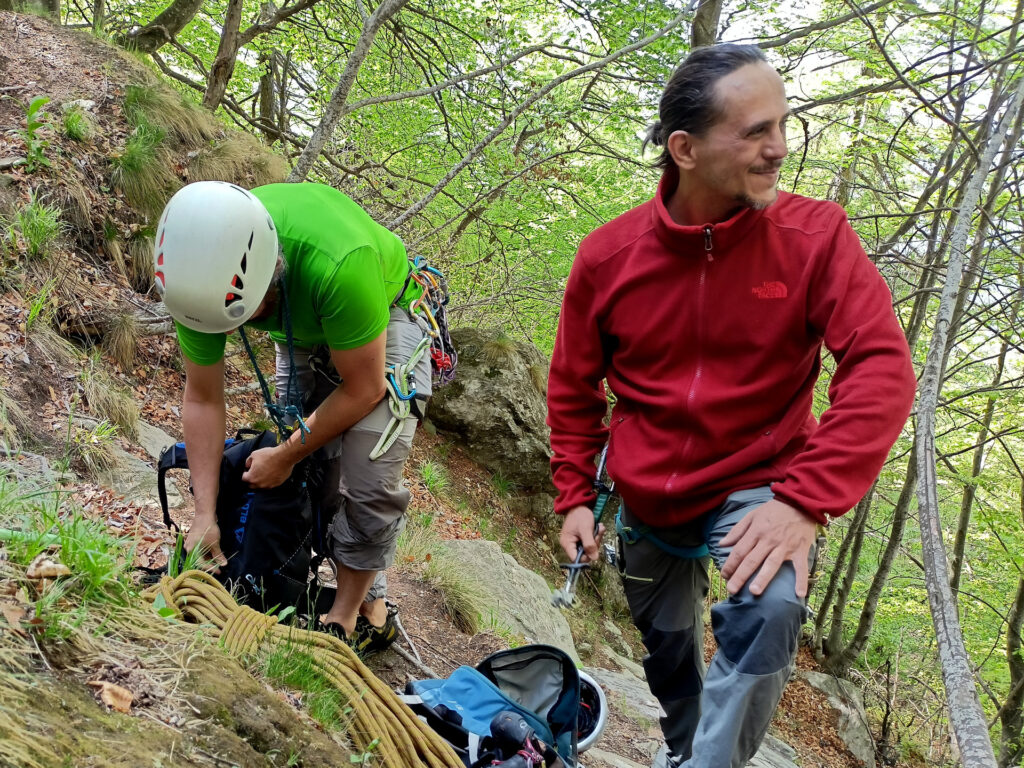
(576, 400)
(872, 389)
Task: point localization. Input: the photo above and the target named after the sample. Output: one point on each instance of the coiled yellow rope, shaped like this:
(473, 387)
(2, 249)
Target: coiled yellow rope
(403, 740)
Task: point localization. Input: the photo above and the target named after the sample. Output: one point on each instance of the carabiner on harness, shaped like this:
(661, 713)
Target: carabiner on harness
(400, 381)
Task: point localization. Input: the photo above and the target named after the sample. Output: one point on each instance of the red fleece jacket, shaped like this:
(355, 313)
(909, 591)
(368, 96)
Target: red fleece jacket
(710, 337)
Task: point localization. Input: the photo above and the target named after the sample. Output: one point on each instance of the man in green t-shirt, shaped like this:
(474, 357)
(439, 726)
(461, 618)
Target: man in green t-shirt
(301, 260)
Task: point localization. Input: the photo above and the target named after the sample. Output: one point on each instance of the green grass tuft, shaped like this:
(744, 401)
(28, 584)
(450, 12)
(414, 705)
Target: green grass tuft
(76, 125)
(291, 665)
(142, 170)
(36, 227)
(434, 477)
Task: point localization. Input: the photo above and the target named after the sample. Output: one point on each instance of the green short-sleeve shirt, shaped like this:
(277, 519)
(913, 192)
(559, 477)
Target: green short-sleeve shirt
(344, 270)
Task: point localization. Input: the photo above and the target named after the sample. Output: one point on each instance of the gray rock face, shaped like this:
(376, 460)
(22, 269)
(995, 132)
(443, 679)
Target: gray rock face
(628, 693)
(153, 439)
(136, 481)
(496, 407)
(521, 598)
(847, 700)
(774, 754)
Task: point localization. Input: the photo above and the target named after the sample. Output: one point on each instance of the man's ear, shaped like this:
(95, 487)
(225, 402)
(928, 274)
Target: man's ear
(680, 146)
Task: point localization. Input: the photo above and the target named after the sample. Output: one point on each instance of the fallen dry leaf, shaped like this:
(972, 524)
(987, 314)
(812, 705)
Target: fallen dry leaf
(47, 567)
(14, 614)
(114, 696)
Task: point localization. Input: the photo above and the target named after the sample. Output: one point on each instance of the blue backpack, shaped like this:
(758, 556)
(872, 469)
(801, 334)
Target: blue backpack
(538, 682)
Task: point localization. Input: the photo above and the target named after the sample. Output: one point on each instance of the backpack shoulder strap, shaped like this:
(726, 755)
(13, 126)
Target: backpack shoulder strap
(171, 457)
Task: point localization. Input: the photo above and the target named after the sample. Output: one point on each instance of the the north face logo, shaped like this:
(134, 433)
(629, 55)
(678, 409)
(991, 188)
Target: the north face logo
(772, 290)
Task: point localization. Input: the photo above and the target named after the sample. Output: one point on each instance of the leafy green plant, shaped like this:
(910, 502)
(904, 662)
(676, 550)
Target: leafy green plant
(76, 125)
(36, 226)
(35, 145)
(434, 477)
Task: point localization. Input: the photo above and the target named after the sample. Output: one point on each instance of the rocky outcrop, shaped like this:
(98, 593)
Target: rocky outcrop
(496, 407)
(846, 699)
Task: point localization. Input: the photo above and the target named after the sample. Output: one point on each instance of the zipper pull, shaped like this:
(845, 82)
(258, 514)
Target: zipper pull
(707, 242)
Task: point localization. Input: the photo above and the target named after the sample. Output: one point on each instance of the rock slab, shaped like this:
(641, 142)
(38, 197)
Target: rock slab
(521, 598)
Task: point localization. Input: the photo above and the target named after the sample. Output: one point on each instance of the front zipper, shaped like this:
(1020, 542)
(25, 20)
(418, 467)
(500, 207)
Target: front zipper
(691, 395)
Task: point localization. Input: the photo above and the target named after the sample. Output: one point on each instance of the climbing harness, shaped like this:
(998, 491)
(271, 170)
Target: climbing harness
(633, 533)
(428, 312)
(381, 723)
(289, 417)
(400, 380)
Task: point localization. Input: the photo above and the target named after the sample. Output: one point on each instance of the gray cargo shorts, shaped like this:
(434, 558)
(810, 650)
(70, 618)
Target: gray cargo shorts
(367, 499)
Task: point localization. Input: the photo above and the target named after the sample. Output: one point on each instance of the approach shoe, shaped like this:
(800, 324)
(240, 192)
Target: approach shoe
(665, 758)
(367, 639)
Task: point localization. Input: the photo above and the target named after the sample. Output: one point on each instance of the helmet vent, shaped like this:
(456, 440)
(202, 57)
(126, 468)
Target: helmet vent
(160, 259)
(251, 236)
(244, 255)
(231, 298)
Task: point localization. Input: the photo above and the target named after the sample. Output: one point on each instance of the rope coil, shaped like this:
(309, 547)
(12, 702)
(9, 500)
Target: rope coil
(403, 740)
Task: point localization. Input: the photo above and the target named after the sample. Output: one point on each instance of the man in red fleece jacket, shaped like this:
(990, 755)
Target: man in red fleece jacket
(705, 309)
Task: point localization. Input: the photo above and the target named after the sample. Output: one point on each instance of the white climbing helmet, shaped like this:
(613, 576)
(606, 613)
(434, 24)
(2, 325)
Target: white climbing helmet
(215, 255)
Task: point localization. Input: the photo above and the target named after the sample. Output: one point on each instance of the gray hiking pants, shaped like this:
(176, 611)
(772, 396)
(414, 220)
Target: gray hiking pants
(366, 498)
(715, 720)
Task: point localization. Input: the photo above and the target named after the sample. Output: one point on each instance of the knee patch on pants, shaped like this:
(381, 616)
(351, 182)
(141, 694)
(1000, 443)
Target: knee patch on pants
(758, 634)
(674, 663)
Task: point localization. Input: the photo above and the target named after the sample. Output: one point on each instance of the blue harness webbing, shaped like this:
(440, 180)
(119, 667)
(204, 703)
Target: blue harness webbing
(633, 533)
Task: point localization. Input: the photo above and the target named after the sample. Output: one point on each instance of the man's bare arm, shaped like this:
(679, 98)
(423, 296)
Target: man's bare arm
(202, 418)
(362, 373)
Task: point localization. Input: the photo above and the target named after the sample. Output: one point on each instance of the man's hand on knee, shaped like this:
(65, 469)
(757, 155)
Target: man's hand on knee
(767, 537)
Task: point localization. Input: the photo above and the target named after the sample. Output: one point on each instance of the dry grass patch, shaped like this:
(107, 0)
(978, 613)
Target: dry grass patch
(240, 159)
(121, 339)
(109, 401)
(156, 105)
(463, 598)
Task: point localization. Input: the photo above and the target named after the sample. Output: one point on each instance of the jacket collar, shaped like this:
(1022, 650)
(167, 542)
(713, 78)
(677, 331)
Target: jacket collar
(692, 239)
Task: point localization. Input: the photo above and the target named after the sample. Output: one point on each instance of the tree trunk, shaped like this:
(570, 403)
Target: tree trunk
(224, 62)
(967, 500)
(51, 8)
(847, 557)
(268, 96)
(705, 24)
(965, 712)
(332, 114)
(99, 12)
(163, 28)
(839, 664)
(1011, 719)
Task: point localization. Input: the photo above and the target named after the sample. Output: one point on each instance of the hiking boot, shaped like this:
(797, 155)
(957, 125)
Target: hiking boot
(665, 759)
(367, 639)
